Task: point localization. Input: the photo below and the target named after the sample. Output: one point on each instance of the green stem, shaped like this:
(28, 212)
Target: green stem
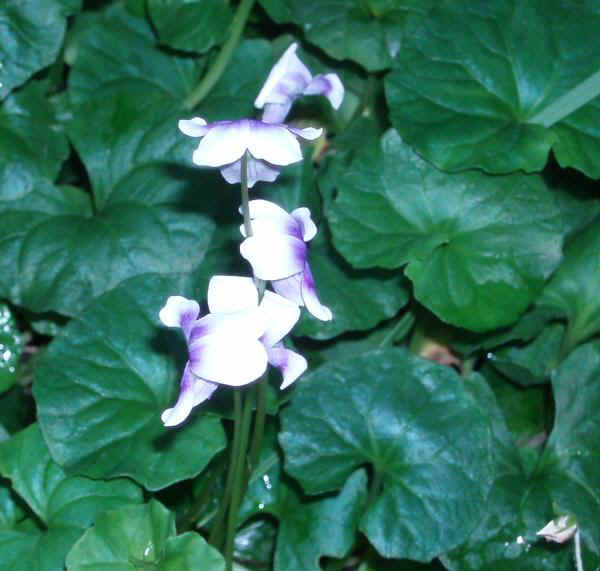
(220, 63)
(216, 533)
(400, 329)
(575, 98)
(578, 558)
(259, 423)
(239, 481)
(245, 197)
(374, 489)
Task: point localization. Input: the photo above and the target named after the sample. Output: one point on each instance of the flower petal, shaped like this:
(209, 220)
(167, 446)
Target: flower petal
(275, 112)
(287, 79)
(273, 143)
(307, 226)
(195, 127)
(227, 294)
(193, 392)
(309, 133)
(225, 142)
(232, 359)
(179, 312)
(257, 170)
(290, 288)
(249, 323)
(328, 85)
(274, 256)
(280, 316)
(311, 300)
(268, 217)
(290, 363)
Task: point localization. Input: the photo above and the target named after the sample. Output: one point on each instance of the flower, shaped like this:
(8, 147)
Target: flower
(277, 252)
(270, 146)
(559, 530)
(288, 80)
(233, 343)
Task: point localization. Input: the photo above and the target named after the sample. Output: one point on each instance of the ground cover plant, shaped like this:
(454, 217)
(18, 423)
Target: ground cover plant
(299, 285)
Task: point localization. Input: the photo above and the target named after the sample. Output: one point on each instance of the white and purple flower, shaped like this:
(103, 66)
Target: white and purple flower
(288, 80)
(270, 146)
(277, 252)
(233, 343)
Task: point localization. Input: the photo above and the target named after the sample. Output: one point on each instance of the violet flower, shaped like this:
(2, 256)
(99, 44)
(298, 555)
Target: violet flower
(270, 146)
(277, 252)
(233, 343)
(288, 80)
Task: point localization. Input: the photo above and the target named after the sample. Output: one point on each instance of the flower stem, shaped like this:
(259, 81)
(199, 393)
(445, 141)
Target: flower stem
(259, 423)
(245, 197)
(220, 63)
(239, 481)
(578, 558)
(216, 533)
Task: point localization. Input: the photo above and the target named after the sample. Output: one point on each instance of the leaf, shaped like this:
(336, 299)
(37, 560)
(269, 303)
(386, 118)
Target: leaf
(470, 79)
(11, 345)
(255, 542)
(366, 32)
(116, 364)
(414, 423)
(65, 505)
(191, 25)
(31, 36)
(135, 537)
(573, 290)
(477, 248)
(31, 149)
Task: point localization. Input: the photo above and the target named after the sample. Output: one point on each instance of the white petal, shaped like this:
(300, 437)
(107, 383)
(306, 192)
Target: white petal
(179, 312)
(287, 79)
(257, 170)
(224, 143)
(268, 217)
(195, 127)
(275, 112)
(193, 392)
(290, 288)
(290, 363)
(272, 143)
(328, 85)
(232, 359)
(309, 133)
(280, 316)
(308, 227)
(274, 256)
(227, 294)
(311, 300)
(248, 323)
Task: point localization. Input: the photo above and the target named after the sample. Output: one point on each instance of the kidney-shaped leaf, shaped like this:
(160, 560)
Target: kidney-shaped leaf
(472, 77)
(478, 248)
(116, 364)
(423, 434)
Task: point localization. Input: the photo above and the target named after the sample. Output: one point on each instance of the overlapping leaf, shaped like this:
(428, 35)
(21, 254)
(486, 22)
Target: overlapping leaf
(430, 446)
(11, 345)
(65, 505)
(478, 248)
(117, 364)
(472, 77)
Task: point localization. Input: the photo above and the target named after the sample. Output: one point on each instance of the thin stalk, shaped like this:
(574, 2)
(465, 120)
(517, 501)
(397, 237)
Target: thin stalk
(578, 558)
(259, 423)
(245, 197)
(216, 533)
(401, 327)
(575, 98)
(220, 62)
(239, 482)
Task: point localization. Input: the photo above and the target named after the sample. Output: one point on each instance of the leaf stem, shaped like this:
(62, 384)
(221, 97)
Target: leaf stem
(575, 98)
(239, 480)
(259, 423)
(374, 488)
(220, 62)
(401, 328)
(578, 558)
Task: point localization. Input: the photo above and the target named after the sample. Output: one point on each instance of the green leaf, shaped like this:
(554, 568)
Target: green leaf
(191, 25)
(11, 344)
(470, 79)
(478, 248)
(31, 149)
(31, 36)
(140, 537)
(255, 542)
(121, 369)
(366, 32)
(573, 290)
(413, 421)
(65, 505)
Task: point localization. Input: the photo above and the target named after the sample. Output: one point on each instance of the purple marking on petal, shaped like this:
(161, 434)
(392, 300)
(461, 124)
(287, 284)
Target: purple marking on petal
(328, 85)
(276, 112)
(290, 363)
(290, 288)
(257, 171)
(310, 297)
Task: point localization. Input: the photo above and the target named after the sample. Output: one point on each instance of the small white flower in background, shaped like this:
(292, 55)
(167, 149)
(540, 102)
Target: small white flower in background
(288, 80)
(233, 343)
(559, 530)
(277, 252)
(223, 144)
